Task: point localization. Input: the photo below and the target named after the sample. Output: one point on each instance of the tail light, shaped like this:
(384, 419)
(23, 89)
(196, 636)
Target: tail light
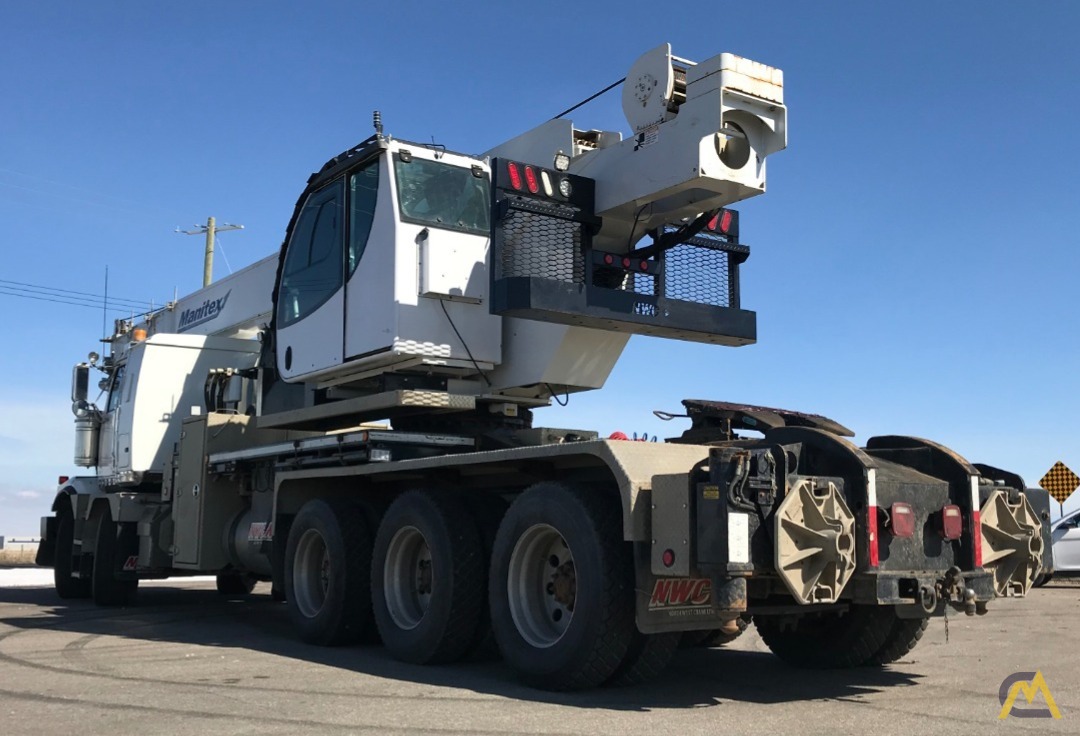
(902, 520)
(952, 523)
(515, 175)
(62, 480)
(530, 180)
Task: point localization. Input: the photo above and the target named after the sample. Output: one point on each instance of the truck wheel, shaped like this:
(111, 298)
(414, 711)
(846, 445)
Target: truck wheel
(107, 589)
(901, 639)
(647, 657)
(327, 568)
(1040, 580)
(488, 510)
(67, 587)
(427, 578)
(233, 583)
(562, 587)
(828, 642)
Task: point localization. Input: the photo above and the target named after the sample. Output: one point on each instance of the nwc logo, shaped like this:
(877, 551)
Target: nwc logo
(674, 592)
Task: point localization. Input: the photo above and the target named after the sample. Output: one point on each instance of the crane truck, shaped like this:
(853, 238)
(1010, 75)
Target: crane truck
(351, 419)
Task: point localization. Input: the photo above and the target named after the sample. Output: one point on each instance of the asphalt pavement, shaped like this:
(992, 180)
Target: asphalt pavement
(186, 660)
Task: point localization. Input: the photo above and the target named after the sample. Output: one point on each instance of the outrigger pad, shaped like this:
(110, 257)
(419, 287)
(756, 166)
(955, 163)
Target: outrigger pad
(760, 418)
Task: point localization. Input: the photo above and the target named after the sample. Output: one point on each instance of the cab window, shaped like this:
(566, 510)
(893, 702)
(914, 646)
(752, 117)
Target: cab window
(116, 389)
(314, 260)
(441, 195)
(363, 191)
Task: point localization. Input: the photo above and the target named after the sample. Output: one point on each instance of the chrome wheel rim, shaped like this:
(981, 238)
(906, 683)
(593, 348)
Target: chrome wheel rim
(407, 577)
(542, 586)
(311, 573)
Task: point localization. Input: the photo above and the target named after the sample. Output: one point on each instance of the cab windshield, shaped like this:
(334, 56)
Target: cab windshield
(438, 194)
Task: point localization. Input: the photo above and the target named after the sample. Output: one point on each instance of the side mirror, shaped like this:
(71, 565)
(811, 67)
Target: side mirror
(80, 382)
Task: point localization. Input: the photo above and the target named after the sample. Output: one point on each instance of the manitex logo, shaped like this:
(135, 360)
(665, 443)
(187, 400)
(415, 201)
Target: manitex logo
(1031, 684)
(207, 311)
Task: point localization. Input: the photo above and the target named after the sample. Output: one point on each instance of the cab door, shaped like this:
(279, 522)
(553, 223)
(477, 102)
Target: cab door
(311, 297)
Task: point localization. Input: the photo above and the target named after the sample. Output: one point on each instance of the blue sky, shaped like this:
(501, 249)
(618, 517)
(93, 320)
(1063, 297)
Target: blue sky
(914, 263)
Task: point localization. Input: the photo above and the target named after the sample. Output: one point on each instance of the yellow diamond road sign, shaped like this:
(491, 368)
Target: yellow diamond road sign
(1060, 481)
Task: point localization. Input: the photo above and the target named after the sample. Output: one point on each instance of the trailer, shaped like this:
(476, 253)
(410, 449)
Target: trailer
(351, 419)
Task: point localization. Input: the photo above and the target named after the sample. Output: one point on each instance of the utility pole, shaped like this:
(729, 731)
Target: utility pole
(209, 229)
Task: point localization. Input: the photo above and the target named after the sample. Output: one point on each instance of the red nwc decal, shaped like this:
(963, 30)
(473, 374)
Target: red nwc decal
(680, 592)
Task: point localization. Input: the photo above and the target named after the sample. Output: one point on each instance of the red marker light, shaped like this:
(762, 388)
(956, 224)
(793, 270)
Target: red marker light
(644, 266)
(713, 221)
(669, 557)
(609, 259)
(725, 221)
(626, 263)
(515, 175)
(531, 181)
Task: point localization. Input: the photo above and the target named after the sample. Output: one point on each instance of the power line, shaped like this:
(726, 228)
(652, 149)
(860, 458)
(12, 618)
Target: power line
(58, 299)
(54, 291)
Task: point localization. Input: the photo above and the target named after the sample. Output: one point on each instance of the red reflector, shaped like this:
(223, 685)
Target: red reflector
(669, 557)
(515, 175)
(61, 480)
(531, 181)
(609, 259)
(644, 265)
(902, 520)
(725, 221)
(871, 534)
(952, 523)
(713, 221)
(976, 524)
(626, 263)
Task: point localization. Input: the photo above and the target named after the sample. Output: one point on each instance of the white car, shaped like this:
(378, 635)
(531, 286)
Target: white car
(1065, 536)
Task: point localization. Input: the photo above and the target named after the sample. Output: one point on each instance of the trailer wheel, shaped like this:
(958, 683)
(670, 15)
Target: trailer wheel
(647, 657)
(107, 589)
(827, 641)
(233, 583)
(428, 579)
(901, 639)
(67, 587)
(562, 588)
(327, 567)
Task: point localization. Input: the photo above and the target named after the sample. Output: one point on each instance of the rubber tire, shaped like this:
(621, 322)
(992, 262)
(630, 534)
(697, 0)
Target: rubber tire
(599, 634)
(106, 589)
(233, 583)
(447, 630)
(346, 611)
(901, 639)
(829, 642)
(648, 656)
(488, 510)
(1040, 580)
(67, 587)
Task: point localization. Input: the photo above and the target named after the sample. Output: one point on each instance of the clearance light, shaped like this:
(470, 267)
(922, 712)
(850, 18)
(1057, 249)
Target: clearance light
(530, 180)
(138, 334)
(644, 265)
(515, 175)
(626, 263)
(608, 259)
